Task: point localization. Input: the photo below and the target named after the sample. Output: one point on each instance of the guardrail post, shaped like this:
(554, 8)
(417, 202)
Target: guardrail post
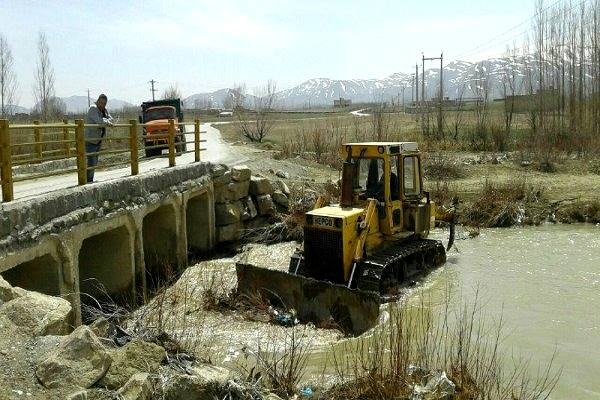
(80, 145)
(197, 140)
(171, 143)
(37, 134)
(66, 137)
(133, 146)
(6, 162)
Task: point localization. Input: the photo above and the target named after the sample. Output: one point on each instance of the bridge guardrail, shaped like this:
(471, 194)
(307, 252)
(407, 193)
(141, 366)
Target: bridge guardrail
(63, 141)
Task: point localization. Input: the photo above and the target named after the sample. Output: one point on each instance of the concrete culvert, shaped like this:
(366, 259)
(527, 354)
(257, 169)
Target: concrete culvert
(198, 224)
(106, 268)
(42, 274)
(159, 234)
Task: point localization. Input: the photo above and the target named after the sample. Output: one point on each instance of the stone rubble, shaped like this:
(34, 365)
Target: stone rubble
(244, 201)
(87, 364)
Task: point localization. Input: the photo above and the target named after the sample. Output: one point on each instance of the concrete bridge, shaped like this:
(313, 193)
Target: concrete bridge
(117, 240)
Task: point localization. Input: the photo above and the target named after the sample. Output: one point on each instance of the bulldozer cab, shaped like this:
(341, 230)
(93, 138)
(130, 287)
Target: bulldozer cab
(389, 172)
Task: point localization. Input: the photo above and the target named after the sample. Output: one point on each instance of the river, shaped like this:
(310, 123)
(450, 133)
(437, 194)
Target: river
(545, 282)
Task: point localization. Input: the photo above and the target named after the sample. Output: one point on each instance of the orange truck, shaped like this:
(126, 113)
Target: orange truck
(156, 116)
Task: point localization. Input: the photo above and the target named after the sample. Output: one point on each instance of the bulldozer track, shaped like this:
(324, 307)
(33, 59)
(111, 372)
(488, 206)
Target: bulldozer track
(389, 267)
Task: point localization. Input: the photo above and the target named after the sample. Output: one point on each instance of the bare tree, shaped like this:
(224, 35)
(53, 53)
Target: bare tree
(172, 92)
(8, 79)
(257, 126)
(481, 90)
(459, 112)
(508, 86)
(43, 89)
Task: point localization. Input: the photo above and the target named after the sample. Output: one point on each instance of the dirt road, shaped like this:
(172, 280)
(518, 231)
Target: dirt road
(216, 151)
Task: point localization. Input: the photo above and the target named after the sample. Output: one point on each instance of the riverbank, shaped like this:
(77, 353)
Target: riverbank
(493, 189)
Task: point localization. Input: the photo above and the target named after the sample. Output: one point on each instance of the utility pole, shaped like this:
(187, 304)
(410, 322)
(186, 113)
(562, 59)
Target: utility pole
(441, 98)
(89, 103)
(423, 81)
(417, 83)
(152, 82)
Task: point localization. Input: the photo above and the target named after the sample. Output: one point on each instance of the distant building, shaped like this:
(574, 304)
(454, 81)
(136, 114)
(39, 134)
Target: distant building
(342, 103)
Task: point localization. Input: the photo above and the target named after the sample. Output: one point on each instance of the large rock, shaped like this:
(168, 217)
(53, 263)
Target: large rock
(222, 180)
(247, 208)
(281, 186)
(240, 173)
(264, 205)
(80, 360)
(206, 382)
(138, 387)
(7, 292)
(226, 214)
(231, 192)
(238, 190)
(281, 199)
(217, 170)
(228, 233)
(38, 314)
(136, 356)
(260, 186)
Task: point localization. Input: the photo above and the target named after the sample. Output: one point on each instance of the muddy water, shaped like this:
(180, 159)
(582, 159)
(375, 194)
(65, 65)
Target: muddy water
(545, 281)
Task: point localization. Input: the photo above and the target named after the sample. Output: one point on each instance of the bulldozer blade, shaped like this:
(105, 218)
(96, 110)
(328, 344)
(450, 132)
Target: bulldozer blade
(322, 303)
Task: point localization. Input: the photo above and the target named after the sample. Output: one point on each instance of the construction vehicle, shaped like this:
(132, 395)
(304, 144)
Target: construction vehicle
(156, 116)
(374, 240)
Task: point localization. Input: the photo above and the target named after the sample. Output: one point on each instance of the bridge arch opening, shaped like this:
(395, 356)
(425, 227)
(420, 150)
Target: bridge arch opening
(42, 274)
(159, 234)
(106, 269)
(198, 223)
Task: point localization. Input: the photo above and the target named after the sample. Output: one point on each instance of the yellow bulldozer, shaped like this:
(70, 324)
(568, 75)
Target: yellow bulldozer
(373, 242)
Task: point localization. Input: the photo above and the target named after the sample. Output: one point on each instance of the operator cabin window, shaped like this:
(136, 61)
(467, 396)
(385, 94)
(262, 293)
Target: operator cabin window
(370, 179)
(411, 177)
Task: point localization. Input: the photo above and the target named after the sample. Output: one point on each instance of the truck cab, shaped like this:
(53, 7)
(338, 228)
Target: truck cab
(156, 116)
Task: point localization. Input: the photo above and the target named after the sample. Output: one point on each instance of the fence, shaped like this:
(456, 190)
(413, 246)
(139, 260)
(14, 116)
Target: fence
(36, 143)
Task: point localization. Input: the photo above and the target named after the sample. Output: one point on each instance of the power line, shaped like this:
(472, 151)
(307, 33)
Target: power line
(490, 43)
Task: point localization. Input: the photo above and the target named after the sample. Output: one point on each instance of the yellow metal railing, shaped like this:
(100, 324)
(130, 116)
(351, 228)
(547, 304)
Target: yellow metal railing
(35, 143)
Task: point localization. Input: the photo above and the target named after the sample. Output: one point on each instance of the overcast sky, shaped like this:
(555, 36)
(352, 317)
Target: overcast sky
(117, 46)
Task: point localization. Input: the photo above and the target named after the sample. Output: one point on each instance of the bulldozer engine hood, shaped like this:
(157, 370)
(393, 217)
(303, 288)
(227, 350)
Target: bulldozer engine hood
(332, 216)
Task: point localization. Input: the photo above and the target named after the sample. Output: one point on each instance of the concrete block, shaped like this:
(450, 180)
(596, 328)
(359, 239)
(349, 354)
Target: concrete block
(260, 186)
(241, 173)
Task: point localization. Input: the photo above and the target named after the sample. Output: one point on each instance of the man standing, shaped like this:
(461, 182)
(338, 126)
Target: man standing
(99, 115)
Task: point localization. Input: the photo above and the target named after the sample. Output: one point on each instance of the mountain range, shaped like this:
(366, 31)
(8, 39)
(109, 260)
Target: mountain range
(459, 81)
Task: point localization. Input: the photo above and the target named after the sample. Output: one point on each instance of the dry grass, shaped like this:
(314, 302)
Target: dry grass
(279, 367)
(423, 339)
(506, 204)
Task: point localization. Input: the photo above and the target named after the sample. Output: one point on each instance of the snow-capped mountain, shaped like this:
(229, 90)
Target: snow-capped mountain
(461, 79)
